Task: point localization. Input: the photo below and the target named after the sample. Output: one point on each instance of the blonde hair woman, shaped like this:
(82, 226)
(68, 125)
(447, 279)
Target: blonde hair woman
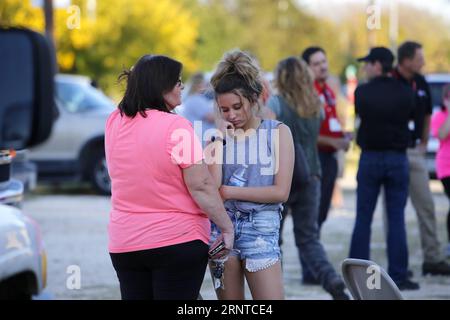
(299, 107)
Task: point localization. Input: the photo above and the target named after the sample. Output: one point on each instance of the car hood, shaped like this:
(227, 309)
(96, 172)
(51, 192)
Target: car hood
(11, 218)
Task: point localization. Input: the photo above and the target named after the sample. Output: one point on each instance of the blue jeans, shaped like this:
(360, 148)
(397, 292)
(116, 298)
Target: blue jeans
(304, 206)
(329, 165)
(390, 170)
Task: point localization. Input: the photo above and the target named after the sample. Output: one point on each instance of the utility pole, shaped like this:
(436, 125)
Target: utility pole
(371, 33)
(393, 25)
(49, 29)
(49, 25)
(92, 9)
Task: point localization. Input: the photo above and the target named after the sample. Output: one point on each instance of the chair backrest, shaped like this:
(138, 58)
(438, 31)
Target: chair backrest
(368, 281)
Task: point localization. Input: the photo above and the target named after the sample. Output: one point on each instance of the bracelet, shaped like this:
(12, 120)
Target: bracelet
(214, 138)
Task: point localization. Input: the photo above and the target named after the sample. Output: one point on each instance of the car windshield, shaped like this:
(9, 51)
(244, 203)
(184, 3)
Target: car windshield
(80, 97)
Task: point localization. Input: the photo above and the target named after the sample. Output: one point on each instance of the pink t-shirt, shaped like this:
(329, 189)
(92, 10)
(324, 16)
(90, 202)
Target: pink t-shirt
(443, 154)
(151, 205)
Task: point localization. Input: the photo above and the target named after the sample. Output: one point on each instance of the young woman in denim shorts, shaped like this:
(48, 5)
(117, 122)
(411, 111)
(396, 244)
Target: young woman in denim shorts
(253, 170)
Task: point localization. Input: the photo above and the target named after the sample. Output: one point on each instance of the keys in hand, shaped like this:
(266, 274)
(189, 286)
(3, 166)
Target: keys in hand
(219, 268)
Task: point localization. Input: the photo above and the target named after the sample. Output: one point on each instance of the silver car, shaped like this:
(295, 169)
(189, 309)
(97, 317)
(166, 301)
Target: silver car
(75, 148)
(23, 262)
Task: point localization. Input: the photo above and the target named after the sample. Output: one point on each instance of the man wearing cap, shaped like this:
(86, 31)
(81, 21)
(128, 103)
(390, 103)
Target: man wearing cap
(410, 62)
(383, 107)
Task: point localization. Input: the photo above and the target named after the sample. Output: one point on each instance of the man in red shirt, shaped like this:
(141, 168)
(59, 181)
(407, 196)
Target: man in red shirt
(331, 138)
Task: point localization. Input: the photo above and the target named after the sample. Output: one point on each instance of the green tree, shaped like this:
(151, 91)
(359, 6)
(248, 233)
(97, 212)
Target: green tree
(275, 29)
(115, 37)
(68, 40)
(414, 24)
(126, 30)
(270, 29)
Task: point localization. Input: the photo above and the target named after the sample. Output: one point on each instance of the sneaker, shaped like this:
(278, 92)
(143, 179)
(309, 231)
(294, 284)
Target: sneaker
(410, 274)
(337, 290)
(408, 285)
(436, 269)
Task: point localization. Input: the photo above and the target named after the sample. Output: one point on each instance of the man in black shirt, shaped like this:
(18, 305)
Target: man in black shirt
(410, 62)
(383, 107)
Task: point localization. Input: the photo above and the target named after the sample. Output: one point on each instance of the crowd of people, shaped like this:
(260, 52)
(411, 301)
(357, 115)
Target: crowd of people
(243, 154)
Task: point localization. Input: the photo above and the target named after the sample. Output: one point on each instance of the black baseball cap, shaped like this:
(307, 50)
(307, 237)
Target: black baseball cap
(382, 54)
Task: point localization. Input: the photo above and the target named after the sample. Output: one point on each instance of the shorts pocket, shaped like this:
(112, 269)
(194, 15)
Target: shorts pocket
(267, 222)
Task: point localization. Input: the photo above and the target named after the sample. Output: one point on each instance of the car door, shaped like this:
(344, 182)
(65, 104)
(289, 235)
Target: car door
(59, 153)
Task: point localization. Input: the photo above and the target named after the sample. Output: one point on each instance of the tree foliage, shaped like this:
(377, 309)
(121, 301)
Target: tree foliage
(120, 32)
(198, 32)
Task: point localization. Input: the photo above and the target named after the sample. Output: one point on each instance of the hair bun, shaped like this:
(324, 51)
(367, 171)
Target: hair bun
(237, 63)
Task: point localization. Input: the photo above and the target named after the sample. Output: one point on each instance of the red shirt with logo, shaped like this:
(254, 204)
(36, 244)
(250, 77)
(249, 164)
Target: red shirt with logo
(331, 126)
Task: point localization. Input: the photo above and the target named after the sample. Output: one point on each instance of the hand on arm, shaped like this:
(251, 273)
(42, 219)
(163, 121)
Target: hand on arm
(214, 150)
(214, 157)
(225, 127)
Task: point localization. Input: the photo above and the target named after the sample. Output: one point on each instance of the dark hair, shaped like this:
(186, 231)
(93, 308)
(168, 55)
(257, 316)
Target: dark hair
(147, 82)
(407, 50)
(308, 52)
(386, 66)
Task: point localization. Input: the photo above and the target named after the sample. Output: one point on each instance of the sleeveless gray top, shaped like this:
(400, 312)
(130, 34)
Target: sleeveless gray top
(257, 152)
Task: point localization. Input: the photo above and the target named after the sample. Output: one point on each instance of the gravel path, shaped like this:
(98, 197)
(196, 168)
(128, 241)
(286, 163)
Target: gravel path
(74, 222)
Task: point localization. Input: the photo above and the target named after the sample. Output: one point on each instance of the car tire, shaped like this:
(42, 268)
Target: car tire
(98, 173)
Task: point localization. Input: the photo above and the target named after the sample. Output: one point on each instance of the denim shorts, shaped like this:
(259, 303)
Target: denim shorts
(255, 236)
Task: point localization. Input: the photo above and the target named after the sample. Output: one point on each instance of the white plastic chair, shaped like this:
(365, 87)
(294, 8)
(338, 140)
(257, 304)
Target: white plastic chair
(368, 281)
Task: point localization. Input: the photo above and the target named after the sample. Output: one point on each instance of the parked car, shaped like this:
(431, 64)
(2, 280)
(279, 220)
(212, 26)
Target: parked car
(24, 170)
(23, 262)
(436, 81)
(75, 149)
(26, 110)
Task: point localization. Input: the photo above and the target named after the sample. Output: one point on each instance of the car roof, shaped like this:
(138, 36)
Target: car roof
(438, 77)
(73, 78)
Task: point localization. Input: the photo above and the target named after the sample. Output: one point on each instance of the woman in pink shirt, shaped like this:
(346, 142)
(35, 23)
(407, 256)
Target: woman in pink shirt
(162, 193)
(440, 126)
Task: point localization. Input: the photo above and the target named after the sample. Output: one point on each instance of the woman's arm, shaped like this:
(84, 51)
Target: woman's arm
(214, 150)
(279, 192)
(214, 157)
(337, 143)
(204, 191)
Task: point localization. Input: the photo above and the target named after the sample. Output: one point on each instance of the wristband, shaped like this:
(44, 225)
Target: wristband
(214, 138)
